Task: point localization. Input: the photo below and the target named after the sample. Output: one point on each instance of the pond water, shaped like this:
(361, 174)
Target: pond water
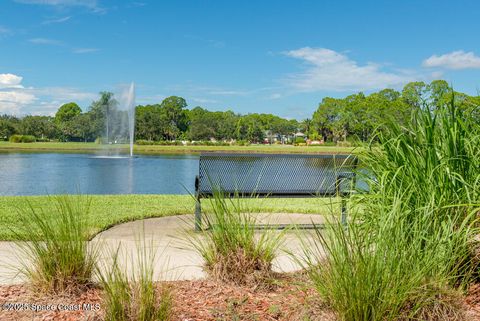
(59, 173)
(55, 173)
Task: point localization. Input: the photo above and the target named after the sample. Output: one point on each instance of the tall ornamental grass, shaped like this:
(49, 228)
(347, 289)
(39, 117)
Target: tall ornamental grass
(232, 249)
(436, 155)
(57, 258)
(134, 296)
(406, 254)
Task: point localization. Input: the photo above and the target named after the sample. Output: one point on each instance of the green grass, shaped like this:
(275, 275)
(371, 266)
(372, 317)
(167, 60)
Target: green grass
(158, 149)
(408, 254)
(133, 295)
(109, 210)
(230, 247)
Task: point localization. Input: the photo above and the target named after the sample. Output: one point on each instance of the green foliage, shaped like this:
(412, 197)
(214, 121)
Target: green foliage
(436, 154)
(229, 246)
(405, 254)
(336, 119)
(396, 267)
(22, 139)
(299, 140)
(59, 254)
(67, 112)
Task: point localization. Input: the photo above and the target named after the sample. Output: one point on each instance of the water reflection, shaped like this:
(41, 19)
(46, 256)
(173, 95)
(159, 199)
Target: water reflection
(37, 174)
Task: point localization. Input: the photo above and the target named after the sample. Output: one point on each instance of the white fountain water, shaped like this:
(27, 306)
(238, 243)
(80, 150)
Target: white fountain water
(119, 121)
(131, 115)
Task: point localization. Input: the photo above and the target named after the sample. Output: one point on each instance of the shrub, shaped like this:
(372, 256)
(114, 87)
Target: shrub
(22, 139)
(58, 250)
(144, 142)
(134, 298)
(242, 142)
(299, 140)
(231, 250)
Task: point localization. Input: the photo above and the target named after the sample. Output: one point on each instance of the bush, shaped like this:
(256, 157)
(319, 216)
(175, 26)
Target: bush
(22, 139)
(231, 251)
(299, 140)
(242, 142)
(144, 142)
(209, 143)
(58, 250)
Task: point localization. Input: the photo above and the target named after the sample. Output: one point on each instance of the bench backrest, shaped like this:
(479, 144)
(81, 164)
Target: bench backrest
(274, 174)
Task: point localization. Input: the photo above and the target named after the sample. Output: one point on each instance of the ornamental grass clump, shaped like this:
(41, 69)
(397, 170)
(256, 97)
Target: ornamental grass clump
(57, 258)
(134, 296)
(233, 252)
(406, 252)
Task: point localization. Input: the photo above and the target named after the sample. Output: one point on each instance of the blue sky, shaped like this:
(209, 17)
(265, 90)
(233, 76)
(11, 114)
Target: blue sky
(277, 57)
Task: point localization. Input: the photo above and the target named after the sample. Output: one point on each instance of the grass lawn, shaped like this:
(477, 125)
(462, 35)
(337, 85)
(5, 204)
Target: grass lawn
(158, 149)
(109, 210)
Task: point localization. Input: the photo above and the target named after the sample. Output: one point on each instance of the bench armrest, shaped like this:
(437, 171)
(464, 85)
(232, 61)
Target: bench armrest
(340, 178)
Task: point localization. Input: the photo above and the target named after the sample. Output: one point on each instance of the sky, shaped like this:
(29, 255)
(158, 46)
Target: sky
(279, 57)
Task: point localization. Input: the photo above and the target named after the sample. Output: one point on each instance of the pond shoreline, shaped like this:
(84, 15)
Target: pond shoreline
(56, 147)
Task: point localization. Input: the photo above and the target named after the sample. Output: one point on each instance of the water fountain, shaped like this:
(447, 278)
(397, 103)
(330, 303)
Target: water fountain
(119, 120)
(130, 99)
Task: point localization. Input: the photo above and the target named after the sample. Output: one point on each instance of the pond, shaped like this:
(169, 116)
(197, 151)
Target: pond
(59, 173)
(55, 173)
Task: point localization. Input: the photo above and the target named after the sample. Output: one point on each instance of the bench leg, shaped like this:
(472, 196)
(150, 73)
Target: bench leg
(344, 212)
(198, 215)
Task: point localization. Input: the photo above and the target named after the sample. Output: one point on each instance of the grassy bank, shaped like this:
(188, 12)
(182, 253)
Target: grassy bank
(158, 149)
(110, 210)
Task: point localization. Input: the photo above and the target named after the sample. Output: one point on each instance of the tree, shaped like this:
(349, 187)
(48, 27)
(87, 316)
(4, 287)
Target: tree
(414, 93)
(67, 112)
(8, 126)
(39, 126)
(83, 127)
(101, 113)
(174, 117)
(148, 122)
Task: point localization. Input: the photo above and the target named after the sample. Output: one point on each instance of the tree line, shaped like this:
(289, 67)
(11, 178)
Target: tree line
(355, 117)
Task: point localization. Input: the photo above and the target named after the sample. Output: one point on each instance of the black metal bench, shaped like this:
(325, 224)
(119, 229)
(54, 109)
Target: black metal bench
(274, 175)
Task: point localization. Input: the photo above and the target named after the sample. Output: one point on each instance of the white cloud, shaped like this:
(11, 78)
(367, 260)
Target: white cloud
(85, 50)
(12, 101)
(62, 3)
(454, 60)
(329, 70)
(92, 5)
(45, 41)
(275, 96)
(19, 100)
(10, 81)
(59, 20)
(204, 100)
(4, 31)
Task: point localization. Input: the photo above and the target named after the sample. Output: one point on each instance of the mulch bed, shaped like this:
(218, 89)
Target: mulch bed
(289, 299)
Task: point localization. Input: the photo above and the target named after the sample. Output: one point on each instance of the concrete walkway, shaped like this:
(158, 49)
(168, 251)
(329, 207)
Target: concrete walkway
(166, 237)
